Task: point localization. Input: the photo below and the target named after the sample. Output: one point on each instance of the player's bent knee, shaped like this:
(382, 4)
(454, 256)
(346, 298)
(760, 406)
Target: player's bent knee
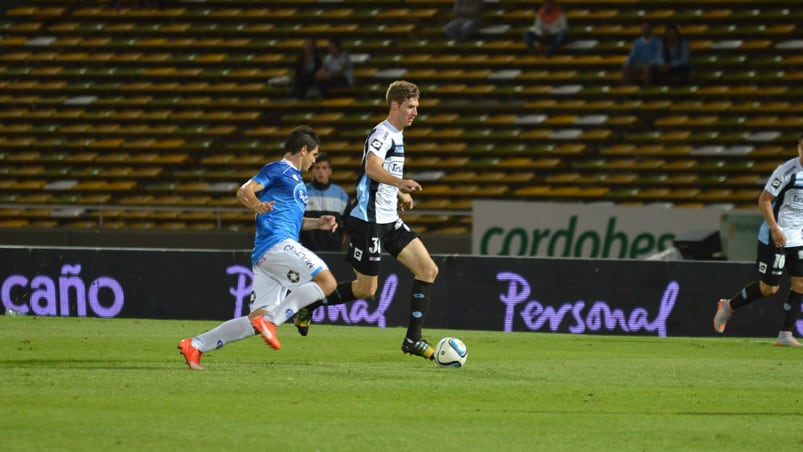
(326, 281)
(767, 290)
(364, 291)
(428, 273)
(327, 286)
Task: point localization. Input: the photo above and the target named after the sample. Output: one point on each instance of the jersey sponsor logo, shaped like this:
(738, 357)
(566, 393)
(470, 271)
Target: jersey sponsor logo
(301, 194)
(396, 169)
(301, 255)
(357, 254)
(762, 268)
(376, 144)
(776, 183)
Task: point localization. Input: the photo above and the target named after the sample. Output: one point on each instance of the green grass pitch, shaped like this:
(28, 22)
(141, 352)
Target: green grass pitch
(115, 384)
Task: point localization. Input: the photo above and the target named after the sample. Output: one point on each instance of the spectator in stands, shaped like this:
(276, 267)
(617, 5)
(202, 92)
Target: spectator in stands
(467, 20)
(677, 59)
(325, 198)
(645, 59)
(337, 70)
(549, 29)
(779, 250)
(307, 65)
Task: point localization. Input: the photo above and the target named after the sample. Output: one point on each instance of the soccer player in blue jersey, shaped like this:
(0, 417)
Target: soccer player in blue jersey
(278, 196)
(780, 249)
(375, 226)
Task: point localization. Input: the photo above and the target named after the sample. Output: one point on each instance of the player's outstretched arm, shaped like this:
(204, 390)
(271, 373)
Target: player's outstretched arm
(377, 172)
(247, 195)
(325, 223)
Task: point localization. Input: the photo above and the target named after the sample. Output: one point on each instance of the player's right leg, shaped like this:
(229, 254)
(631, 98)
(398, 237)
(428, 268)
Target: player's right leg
(791, 306)
(786, 339)
(268, 292)
(342, 294)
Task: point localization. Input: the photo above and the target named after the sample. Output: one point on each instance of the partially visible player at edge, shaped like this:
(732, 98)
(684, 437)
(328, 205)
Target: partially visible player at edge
(278, 195)
(374, 224)
(780, 246)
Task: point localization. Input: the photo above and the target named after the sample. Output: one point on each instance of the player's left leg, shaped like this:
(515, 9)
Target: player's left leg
(415, 257)
(770, 262)
(229, 331)
(234, 329)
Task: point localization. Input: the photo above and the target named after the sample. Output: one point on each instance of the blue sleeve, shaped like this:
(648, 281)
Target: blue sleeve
(658, 52)
(263, 177)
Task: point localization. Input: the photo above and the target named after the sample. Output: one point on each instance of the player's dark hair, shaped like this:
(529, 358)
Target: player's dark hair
(401, 90)
(301, 136)
(322, 157)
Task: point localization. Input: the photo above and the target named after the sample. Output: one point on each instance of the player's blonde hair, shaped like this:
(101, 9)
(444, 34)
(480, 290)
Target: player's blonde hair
(401, 90)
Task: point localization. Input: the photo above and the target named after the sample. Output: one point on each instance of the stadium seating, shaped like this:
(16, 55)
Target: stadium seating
(150, 118)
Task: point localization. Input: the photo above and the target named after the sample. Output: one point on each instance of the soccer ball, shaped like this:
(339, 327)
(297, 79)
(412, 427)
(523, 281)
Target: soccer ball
(451, 352)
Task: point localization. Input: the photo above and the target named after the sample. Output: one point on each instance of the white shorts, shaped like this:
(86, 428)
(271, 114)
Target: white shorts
(285, 266)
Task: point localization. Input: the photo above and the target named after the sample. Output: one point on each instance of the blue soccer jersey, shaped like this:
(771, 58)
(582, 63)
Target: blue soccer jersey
(283, 184)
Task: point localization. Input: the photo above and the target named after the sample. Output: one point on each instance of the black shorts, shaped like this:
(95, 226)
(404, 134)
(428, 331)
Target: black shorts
(773, 261)
(368, 240)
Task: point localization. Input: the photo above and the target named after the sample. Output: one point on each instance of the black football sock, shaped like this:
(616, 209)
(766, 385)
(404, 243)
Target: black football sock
(791, 309)
(419, 305)
(315, 305)
(343, 294)
(749, 294)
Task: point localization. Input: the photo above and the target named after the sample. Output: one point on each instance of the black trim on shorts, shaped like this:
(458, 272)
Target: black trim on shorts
(369, 240)
(772, 262)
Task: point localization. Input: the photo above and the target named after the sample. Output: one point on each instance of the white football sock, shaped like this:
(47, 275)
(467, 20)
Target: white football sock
(300, 297)
(229, 331)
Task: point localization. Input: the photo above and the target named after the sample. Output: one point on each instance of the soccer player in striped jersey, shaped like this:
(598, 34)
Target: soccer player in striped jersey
(278, 196)
(375, 226)
(780, 248)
